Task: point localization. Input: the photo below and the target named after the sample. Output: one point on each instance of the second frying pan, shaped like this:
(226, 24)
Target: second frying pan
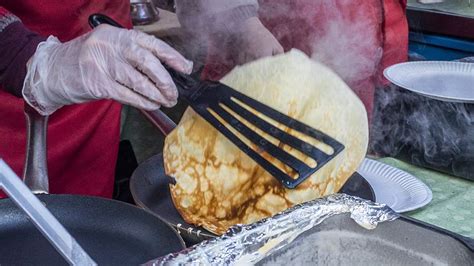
(150, 189)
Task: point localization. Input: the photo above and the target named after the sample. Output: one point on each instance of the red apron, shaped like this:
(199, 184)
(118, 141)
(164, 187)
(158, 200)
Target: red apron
(82, 139)
(357, 39)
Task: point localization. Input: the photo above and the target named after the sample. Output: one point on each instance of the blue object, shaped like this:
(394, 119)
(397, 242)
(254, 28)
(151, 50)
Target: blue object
(438, 47)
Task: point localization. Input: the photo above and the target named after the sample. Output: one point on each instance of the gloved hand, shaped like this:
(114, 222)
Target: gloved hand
(106, 63)
(253, 41)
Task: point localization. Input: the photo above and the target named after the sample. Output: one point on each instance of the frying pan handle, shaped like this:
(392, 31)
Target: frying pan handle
(160, 121)
(35, 174)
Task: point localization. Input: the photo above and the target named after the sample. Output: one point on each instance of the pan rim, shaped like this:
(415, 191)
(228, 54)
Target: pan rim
(179, 229)
(192, 230)
(107, 201)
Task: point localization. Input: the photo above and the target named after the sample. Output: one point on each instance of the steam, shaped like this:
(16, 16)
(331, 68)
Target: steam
(345, 35)
(335, 33)
(427, 132)
(349, 45)
(430, 132)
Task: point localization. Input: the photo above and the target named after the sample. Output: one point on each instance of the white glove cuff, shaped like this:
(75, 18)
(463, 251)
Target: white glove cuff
(34, 91)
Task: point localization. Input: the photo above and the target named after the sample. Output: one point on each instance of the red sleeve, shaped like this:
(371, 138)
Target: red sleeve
(17, 45)
(3, 12)
(403, 3)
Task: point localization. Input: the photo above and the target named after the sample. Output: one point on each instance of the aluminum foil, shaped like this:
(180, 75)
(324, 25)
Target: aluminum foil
(248, 244)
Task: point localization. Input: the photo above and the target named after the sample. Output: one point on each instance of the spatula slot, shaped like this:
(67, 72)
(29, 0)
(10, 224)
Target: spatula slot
(269, 138)
(237, 131)
(286, 148)
(310, 162)
(262, 143)
(284, 133)
(274, 115)
(279, 169)
(259, 131)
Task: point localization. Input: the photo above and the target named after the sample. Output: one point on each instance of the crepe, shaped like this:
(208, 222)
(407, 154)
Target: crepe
(218, 186)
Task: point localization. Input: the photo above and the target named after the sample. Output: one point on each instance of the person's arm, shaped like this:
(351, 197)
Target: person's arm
(106, 63)
(17, 45)
(235, 20)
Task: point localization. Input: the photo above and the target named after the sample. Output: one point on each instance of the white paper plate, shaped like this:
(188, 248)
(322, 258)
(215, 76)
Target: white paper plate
(441, 80)
(398, 189)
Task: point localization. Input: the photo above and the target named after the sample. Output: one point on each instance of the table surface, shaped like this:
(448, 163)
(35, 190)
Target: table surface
(452, 207)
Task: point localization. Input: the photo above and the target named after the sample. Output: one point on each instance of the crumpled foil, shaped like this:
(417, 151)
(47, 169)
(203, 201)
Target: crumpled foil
(248, 244)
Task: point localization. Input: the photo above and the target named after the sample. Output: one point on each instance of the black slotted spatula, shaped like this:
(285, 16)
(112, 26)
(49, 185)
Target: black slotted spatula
(226, 110)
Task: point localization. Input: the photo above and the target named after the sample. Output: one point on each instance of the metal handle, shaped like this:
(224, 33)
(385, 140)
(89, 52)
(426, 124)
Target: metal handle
(160, 120)
(35, 174)
(56, 234)
(187, 85)
(97, 19)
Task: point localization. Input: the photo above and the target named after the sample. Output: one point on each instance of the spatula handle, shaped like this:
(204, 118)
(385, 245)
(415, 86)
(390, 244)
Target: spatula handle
(187, 85)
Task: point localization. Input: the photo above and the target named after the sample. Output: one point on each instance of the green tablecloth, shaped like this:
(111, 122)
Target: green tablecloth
(452, 207)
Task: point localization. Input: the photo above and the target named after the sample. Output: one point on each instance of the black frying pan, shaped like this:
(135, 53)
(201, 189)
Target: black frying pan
(150, 189)
(111, 232)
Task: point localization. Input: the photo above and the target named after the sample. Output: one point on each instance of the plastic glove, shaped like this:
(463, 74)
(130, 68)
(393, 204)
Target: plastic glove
(107, 63)
(253, 41)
